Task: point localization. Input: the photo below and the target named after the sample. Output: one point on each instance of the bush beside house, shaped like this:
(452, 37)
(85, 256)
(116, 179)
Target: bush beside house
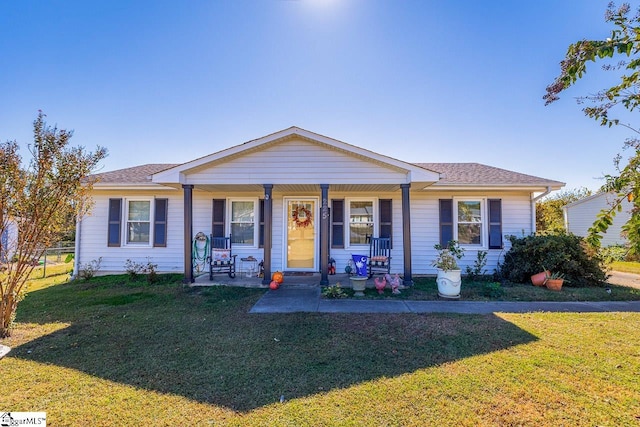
(561, 253)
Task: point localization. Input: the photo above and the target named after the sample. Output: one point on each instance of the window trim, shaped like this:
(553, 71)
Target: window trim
(125, 221)
(484, 229)
(347, 220)
(256, 219)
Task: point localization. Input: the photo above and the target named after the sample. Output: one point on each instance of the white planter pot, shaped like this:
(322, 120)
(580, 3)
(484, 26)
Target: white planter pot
(358, 283)
(449, 283)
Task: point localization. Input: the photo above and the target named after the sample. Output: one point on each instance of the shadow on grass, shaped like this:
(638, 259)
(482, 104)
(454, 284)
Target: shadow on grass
(203, 344)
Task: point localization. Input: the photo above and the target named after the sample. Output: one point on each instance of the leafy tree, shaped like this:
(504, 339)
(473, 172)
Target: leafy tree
(549, 214)
(623, 43)
(37, 200)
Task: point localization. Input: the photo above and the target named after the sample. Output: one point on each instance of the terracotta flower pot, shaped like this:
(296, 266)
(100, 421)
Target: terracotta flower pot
(540, 278)
(554, 284)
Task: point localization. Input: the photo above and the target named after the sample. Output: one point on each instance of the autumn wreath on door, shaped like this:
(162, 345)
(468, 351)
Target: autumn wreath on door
(301, 216)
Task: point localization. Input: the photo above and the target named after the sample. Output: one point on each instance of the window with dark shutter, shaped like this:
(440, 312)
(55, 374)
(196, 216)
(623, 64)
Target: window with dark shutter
(337, 223)
(495, 224)
(385, 207)
(446, 222)
(160, 223)
(217, 225)
(115, 220)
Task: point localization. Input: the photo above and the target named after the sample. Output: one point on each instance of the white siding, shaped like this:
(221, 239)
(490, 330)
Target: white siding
(93, 236)
(425, 227)
(278, 163)
(516, 217)
(581, 215)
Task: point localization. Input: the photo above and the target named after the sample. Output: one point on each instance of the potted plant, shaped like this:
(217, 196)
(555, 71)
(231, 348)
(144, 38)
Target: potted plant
(555, 281)
(539, 279)
(449, 276)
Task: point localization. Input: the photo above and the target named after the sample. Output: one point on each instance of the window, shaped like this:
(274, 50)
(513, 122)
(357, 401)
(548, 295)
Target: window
(243, 213)
(470, 222)
(473, 222)
(138, 226)
(138, 222)
(361, 221)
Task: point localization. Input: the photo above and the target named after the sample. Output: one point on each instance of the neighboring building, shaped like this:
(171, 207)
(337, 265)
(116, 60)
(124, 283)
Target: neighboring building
(580, 215)
(8, 239)
(307, 197)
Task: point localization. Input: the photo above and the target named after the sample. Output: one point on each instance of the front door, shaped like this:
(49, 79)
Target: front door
(301, 234)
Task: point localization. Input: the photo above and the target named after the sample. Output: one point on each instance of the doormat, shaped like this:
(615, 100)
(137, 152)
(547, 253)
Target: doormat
(298, 273)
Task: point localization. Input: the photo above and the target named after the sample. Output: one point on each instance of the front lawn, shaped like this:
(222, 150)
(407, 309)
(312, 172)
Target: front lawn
(113, 352)
(626, 266)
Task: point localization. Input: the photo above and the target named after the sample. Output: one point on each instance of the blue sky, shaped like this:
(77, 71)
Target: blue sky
(422, 81)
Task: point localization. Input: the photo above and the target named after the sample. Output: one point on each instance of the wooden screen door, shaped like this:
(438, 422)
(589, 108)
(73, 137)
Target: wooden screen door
(301, 235)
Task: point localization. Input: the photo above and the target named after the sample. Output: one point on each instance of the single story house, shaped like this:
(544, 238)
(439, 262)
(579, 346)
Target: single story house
(580, 215)
(294, 199)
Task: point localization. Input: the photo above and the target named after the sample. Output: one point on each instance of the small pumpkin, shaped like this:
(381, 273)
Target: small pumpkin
(274, 285)
(278, 277)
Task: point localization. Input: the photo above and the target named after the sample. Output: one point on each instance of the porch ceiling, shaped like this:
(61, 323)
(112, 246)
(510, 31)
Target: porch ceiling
(297, 188)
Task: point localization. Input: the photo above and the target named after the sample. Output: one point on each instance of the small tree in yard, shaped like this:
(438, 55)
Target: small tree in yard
(623, 42)
(549, 215)
(38, 200)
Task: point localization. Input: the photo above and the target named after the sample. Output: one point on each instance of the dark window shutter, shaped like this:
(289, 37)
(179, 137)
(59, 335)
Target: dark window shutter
(160, 223)
(261, 224)
(446, 222)
(217, 226)
(337, 223)
(115, 220)
(385, 207)
(495, 224)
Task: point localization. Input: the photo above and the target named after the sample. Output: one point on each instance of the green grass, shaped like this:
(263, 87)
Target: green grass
(113, 352)
(425, 288)
(625, 266)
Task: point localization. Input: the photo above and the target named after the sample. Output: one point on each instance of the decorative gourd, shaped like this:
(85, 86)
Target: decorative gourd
(278, 277)
(274, 285)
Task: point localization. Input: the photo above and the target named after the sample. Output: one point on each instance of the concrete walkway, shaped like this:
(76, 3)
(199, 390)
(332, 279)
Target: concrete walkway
(4, 350)
(308, 300)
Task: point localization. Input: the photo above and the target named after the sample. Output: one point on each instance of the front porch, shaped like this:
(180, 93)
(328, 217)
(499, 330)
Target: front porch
(290, 280)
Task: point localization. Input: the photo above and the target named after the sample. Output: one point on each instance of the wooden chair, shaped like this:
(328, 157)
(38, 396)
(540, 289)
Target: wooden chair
(221, 259)
(379, 255)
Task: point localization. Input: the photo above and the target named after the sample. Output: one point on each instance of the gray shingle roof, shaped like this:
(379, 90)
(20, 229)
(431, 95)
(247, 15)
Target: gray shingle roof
(134, 175)
(479, 174)
(453, 174)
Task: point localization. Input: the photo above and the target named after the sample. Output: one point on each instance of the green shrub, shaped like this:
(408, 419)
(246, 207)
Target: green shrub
(614, 253)
(478, 271)
(334, 292)
(561, 253)
(492, 289)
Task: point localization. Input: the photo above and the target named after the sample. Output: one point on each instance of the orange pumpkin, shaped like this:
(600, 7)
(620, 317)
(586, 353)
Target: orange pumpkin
(278, 277)
(274, 285)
